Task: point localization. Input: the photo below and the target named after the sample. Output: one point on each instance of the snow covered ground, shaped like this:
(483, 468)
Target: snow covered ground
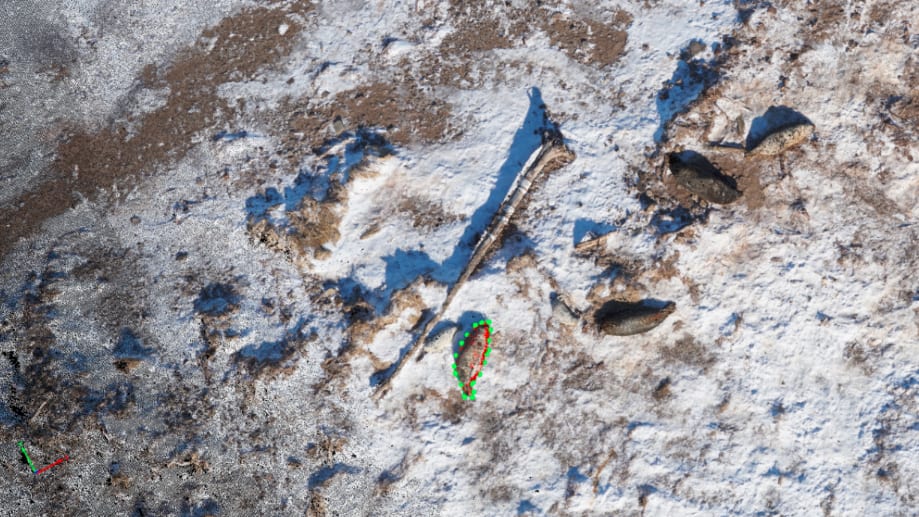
(225, 222)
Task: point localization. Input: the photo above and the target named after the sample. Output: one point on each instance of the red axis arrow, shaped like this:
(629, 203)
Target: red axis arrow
(56, 463)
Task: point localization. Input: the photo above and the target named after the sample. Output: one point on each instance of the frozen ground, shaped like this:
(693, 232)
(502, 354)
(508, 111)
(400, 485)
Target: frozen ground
(223, 222)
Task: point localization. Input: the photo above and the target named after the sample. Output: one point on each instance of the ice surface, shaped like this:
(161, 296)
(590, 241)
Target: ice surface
(182, 337)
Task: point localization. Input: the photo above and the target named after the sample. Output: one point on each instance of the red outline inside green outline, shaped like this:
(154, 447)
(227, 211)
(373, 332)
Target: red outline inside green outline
(484, 361)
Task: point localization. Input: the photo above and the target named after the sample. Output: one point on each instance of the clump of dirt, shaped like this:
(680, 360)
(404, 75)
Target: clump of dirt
(872, 197)
(687, 350)
(748, 175)
(825, 20)
(315, 223)
(589, 41)
(129, 350)
(662, 390)
(476, 29)
(866, 356)
(585, 374)
(318, 506)
(425, 213)
(362, 331)
(90, 160)
(453, 409)
(901, 113)
(694, 173)
(525, 260)
(664, 268)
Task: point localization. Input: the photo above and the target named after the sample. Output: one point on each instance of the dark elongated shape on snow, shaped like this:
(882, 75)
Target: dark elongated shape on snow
(696, 174)
(625, 319)
(471, 357)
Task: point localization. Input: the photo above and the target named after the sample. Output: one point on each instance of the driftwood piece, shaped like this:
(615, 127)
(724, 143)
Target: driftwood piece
(552, 155)
(591, 243)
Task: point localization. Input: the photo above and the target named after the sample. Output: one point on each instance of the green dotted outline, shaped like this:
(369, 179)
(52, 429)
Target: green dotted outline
(491, 331)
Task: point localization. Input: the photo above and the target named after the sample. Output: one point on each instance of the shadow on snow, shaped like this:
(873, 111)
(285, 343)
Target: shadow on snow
(526, 140)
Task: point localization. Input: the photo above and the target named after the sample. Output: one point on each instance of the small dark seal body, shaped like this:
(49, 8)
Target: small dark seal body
(696, 174)
(470, 357)
(625, 319)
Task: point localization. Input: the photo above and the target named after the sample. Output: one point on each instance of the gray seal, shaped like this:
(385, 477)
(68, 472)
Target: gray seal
(618, 318)
(696, 174)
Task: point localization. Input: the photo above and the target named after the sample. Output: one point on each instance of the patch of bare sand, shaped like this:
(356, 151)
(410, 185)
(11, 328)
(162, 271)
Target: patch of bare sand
(479, 27)
(746, 172)
(90, 160)
(590, 41)
(425, 213)
(731, 162)
(406, 105)
(406, 112)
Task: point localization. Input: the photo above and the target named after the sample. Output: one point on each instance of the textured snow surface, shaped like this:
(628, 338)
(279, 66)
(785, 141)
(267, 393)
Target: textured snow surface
(202, 330)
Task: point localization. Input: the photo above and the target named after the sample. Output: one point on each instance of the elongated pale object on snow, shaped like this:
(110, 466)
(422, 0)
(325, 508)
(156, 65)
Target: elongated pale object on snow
(552, 155)
(782, 139)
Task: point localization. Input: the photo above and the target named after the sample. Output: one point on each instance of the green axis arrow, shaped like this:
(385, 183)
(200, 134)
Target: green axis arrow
(23, 449)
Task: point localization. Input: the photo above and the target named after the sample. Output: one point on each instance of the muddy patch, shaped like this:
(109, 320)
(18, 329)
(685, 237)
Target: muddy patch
(687, 351)
(305, 218)
(825, 21)
(90, 160)
(477, 28)
(425, 213)
(406, 112)
(589, 41)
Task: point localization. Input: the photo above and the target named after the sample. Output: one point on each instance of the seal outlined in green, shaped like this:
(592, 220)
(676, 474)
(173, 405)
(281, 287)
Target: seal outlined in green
(472, 357)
